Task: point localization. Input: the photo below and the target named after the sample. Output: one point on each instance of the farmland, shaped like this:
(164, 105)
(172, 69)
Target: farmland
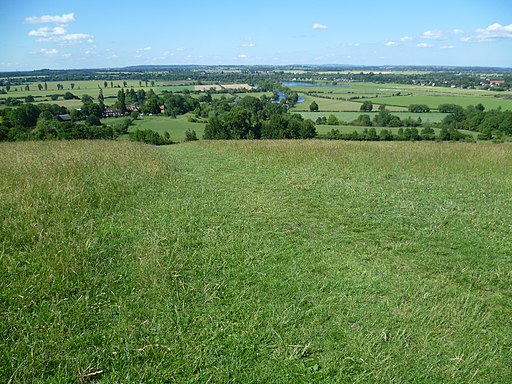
(269, 261)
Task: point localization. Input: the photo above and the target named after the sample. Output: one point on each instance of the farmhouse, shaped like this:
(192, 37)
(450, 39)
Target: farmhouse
(111, 112)
(132, 107)
(496, 82)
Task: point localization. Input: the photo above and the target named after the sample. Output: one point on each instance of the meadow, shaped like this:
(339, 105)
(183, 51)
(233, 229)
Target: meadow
(348, 116)
(269, 261)
(175, 127)
(327, 97)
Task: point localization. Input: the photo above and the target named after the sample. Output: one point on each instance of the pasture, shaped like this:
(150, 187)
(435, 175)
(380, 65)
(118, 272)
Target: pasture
(432, 117)
(388, 94)
(270, 261)
(175, 127)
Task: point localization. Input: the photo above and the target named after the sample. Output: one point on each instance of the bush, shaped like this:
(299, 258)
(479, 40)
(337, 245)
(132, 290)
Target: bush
(190, 135)
(69, 96)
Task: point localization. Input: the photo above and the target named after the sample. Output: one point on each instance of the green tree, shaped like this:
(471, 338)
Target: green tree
(86, 99)
(190, 135)
(105, 84)
(367, 106)
(332, 120)
(101, 100)
(40, 87)
(121, 101)
(313, 107)
(72, 85)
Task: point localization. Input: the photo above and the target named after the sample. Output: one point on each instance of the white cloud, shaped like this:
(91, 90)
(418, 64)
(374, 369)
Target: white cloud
(90, 51)
(66, 18)
(406, 38)
(141, 51)
(391, 44)
(423, 45)
(70, 38)
(59, 33)
(181, 49)
(47, 31)
(66, 55)
(319, 26)
(457, 31)
(447, 47)
(432, 35)
(49, 52)
(242, 56)
(248, 45)
(493, 32)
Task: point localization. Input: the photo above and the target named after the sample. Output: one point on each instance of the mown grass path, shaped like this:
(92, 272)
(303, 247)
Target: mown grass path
(257, 262)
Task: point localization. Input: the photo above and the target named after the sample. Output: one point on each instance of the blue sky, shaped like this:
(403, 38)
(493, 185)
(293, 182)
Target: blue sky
(98, 34)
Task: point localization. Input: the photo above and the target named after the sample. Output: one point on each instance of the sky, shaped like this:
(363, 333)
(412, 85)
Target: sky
(58, 34)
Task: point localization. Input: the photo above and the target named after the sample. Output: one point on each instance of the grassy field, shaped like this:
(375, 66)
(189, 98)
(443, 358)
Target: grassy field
(324, 129)
(433, 102)
(259, 262)
(90, 88)
(432, 117)
(410, 94)
(176, 127)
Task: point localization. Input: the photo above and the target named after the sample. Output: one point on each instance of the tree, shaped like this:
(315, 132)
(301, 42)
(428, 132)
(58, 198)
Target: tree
(72, 85)
(125, 84)
(190, 135)
(385, 135)
(152, 83)
(25, 116)
(332, 120)
(105, 84)
(313, 107)
(93, 120)
(29, 99)
(121, 101)
(45, 86)
(367, 106)
(40, 87)
(86, 99)
(101, 100)
(69, 96)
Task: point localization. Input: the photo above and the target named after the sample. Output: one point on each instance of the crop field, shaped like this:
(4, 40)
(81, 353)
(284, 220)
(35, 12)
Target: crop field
(262, 262)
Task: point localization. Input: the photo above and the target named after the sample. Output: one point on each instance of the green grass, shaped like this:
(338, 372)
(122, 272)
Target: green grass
(433, 102)
(176, 127)
(87, 88)
(383, 94)
(432, 117)
(272, 261)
